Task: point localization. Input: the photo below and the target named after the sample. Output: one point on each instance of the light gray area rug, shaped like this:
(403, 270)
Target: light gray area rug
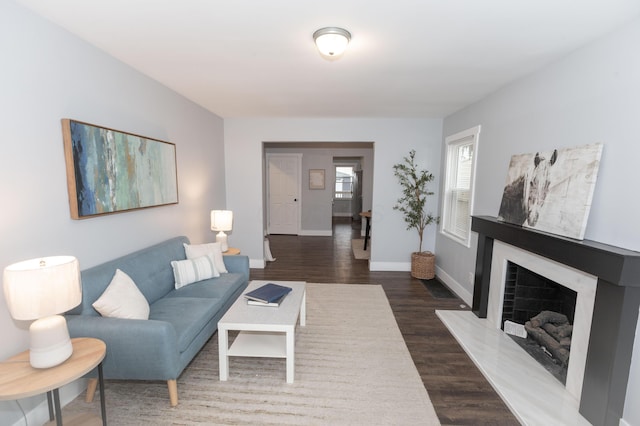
(352, 368)
(357, 246)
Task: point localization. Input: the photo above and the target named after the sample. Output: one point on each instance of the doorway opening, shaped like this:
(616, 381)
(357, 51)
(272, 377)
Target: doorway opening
(347, 191)
(319, 184)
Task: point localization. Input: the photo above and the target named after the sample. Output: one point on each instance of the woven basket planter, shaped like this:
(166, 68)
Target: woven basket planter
(423, 265)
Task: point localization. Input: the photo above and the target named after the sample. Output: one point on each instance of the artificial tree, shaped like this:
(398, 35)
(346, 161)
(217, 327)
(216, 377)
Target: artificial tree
(413, 206)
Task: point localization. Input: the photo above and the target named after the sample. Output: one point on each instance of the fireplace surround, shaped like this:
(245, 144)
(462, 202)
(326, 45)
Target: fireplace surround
(615, 306)
(583, 284)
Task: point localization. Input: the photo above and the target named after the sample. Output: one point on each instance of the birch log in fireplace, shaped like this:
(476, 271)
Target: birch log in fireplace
(615, 306)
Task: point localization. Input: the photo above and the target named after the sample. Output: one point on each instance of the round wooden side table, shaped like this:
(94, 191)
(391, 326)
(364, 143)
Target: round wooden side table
(18, 379)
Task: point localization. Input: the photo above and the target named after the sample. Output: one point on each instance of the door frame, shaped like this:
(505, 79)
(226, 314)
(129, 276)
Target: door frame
(298, 157)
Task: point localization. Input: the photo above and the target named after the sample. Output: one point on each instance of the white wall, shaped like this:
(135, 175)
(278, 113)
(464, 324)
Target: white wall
(46, 75)
(590, 96)
(393, 138)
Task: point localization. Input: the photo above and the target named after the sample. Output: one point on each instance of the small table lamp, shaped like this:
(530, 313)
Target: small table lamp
(222, 220)
(39, 289)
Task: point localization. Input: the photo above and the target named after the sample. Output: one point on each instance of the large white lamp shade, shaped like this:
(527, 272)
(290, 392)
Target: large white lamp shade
(222, 221)
(39, 289)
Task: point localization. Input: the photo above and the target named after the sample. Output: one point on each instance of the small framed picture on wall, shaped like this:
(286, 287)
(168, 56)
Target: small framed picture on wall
(316, 178)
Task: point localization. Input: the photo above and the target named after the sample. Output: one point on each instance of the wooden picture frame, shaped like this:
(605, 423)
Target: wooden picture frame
(316, 178)
(109, 171)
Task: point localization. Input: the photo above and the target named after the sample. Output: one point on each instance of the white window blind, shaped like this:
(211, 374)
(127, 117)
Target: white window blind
(461, 149)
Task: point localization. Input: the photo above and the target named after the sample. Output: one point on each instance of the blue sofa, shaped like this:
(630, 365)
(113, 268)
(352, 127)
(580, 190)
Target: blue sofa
(180, 321)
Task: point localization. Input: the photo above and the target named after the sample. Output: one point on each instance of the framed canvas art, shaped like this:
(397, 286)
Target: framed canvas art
(552, 191)
(316, 179)
(109, 171)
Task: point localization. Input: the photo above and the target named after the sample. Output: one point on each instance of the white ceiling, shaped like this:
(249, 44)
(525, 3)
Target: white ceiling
(407, 58)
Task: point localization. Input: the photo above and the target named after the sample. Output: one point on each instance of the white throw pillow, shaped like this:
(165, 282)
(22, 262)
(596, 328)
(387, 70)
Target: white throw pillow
(122, 299)
(193, 270)
(210, 249)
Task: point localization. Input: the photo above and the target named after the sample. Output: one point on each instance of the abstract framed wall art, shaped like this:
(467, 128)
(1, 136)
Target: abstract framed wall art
(109, 171)
(552, 191)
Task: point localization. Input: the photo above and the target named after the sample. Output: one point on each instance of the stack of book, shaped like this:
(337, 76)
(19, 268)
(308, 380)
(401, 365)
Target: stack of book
(267, 295)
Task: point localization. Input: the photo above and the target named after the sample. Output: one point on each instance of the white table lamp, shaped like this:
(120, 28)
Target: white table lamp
(221, 221)
(39, 289)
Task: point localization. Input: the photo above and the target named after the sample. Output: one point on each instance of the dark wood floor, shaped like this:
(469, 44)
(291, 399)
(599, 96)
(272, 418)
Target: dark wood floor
(459, 392)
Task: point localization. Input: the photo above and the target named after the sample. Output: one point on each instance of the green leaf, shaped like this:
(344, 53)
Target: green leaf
(412, 203)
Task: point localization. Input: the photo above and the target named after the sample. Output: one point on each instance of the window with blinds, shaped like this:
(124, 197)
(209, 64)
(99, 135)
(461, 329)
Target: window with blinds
(459, 177)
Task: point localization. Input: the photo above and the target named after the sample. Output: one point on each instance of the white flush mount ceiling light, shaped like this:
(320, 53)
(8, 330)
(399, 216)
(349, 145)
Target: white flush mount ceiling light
(332, 41)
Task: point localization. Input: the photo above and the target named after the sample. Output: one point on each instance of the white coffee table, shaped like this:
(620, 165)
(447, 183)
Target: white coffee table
(266, 332)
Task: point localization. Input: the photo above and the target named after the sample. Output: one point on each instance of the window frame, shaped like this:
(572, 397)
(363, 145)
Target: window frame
(335, 180)
(452, 145)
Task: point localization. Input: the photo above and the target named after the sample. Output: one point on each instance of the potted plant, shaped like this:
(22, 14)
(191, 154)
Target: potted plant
(413, 205)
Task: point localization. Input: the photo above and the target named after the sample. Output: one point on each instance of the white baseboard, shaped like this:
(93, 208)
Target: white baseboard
(390, 266)
(315, 233)
(454, 286)
(623, 422)
(257, 263)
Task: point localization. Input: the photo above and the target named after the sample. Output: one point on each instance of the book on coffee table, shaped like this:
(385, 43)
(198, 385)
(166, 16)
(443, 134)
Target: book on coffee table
(273, 304)
(268, 293)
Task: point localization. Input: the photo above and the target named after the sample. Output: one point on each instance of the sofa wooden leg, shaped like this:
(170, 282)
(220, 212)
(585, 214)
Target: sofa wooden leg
(91, 389)
(173, 392)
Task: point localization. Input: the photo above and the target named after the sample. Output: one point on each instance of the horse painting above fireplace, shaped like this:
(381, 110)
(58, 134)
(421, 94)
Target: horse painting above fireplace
(552, 191)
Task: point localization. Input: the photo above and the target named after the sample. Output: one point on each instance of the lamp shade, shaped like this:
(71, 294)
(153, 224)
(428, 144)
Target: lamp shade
(221, 220)
(42, 287)
(332, 41)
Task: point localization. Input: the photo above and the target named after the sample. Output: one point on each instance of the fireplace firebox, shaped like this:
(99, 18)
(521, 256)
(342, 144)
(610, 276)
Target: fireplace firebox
(615, 308)
(527, 294)
(545, 309)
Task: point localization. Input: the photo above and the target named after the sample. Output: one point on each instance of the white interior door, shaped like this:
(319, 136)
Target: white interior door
(284, 193)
